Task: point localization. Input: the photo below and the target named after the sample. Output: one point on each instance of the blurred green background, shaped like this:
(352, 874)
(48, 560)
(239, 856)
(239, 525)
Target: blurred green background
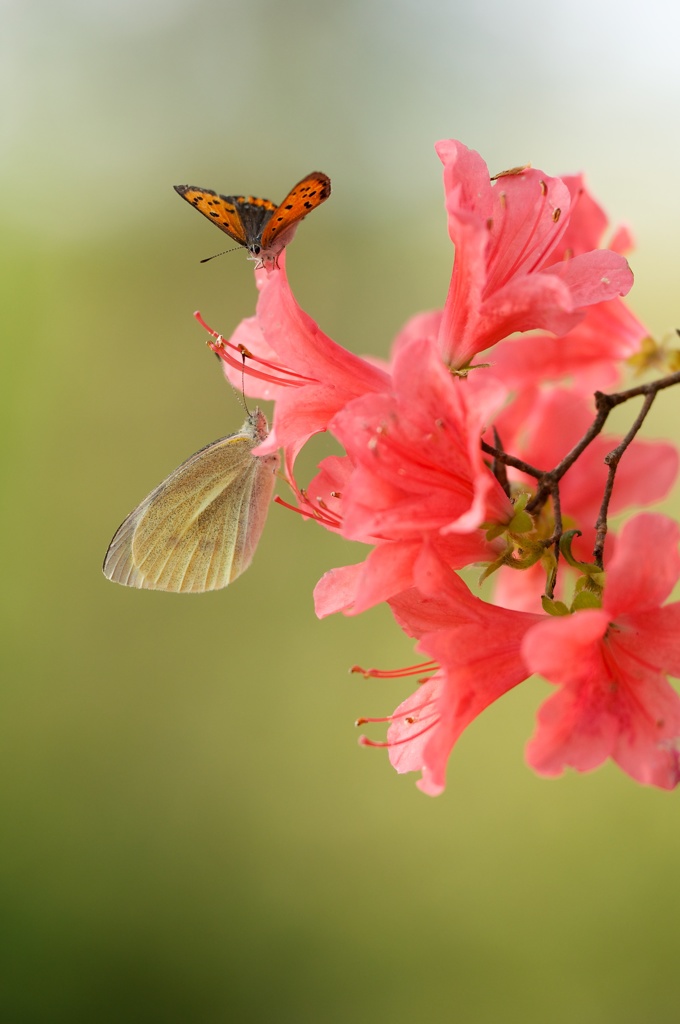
(190, 830)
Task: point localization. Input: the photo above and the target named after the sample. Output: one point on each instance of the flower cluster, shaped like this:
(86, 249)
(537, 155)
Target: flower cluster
(452, 460)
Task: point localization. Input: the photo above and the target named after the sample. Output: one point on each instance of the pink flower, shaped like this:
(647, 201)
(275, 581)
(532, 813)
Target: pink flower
(477, 647)
(417, 477)
(416, 452)
(291, 360)
(506, 277)
(609, 333)
(611, 666)
(610, 663)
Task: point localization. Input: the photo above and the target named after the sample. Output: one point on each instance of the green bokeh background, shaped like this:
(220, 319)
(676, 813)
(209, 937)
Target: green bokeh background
(190, 832)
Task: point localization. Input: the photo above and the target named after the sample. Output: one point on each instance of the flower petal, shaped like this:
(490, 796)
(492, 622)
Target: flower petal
(645, 566)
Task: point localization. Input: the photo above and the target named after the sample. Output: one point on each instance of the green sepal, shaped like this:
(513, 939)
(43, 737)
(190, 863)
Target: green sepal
(462, 371)
(566, 540)
(521, 522)
(532, 554)
(497, 530)
(552, 607)
(593, 581)
(492, 566)
(586, 599)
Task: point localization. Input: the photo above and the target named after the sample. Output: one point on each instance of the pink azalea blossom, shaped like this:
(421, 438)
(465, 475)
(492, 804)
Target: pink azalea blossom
(417, 476)
(416, 451)
(610, 665)
(591, 354)
(291, 360)
(477, 647)
(509, 274)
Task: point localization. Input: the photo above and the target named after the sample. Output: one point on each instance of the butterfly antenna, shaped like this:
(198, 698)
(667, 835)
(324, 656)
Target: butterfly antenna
(241, 395)
(223, 253)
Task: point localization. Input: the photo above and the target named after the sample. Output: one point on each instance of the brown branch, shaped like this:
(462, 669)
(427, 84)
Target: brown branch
(612, 460)
(653, 387)
(548, 480)
(499, 468)
(511, 460)
(555, 540)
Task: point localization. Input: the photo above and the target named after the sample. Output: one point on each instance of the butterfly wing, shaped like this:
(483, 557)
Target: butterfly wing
(309, 193)
(221, 210)
(199, 528)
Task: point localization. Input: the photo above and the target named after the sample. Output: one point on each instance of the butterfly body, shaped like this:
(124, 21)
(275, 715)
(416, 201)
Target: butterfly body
(199, 528)
(260, 226)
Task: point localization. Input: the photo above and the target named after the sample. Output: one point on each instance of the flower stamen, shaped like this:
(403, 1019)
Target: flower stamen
(321, 513)
(364, 741)
(397, 673)
(281, 375)
(534, 248)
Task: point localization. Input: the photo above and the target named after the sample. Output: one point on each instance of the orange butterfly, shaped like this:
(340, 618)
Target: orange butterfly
(259, 225)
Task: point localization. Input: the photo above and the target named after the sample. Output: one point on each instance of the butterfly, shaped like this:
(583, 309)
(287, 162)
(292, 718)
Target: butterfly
(259, 225)
(199, 528)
